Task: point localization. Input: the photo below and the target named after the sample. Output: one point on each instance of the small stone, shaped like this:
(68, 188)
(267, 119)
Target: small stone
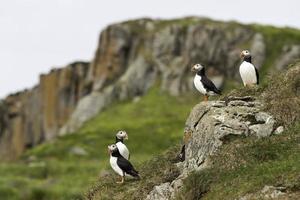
(31, 158)
(37, 164)
(273, 192)
(218, 104)
(78, 151)
(136, 99)
(240, 103)
(279, 130)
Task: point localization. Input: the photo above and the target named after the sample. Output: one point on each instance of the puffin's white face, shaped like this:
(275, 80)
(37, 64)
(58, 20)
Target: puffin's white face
(245, 53)
(122, 135)
(112, 148)
(197, 67)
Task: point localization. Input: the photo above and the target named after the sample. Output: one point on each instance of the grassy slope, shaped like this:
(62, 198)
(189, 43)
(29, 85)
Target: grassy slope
(242, 166)
(154, 123)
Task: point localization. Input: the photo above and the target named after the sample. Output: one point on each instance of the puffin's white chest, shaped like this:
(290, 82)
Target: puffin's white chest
(114, 165)
(198, 84)
(248, 73)
(123, 150)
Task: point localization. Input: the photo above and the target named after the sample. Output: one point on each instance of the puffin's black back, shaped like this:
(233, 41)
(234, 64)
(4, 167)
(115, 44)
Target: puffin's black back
(124, 164)
(208, 84)
(257, 75)
(127, 167)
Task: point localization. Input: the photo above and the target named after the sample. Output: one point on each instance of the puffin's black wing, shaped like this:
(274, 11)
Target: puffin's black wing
(209, 85)
(127, 167)
(257, 76)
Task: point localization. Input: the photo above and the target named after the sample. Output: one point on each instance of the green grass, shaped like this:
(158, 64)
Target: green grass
(153, 123)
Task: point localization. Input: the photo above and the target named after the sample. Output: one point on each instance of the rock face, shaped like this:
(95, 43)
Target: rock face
(211, 124)
(289, 52)
(33, 116)
(130, 57)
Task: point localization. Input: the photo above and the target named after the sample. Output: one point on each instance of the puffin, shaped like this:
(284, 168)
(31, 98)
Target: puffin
(120, 136)
(203, 84)
(248, 71)
(120, 165)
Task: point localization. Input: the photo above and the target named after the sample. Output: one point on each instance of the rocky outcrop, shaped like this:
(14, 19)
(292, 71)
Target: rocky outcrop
(211, 124)
(130, 57)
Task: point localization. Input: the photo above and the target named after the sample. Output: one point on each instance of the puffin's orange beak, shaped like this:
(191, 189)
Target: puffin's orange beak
(126, 137)
(193, 69)
(242, 55)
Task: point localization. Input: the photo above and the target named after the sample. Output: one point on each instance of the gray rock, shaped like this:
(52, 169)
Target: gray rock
(240, 103)
(161, 192)
(279, 130)
(268, 192)
(272, 192)
(288, 55)
(212, 125)
(209, 125)
(265, 125)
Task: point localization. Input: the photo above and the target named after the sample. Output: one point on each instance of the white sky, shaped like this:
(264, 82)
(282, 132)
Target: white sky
(36, 35)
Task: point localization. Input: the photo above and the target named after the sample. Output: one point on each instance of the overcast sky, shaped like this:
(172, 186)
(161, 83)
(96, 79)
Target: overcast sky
(36, 35)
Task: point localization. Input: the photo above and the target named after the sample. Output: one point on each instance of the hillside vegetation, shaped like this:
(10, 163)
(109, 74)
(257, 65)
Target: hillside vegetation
(52, 171)
(243, 166)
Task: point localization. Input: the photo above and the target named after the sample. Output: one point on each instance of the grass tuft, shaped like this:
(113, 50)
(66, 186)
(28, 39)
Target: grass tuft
(282, 96)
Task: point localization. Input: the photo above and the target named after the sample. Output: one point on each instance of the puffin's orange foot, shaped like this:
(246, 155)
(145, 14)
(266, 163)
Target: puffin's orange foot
(122, 180)
(205, 98)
